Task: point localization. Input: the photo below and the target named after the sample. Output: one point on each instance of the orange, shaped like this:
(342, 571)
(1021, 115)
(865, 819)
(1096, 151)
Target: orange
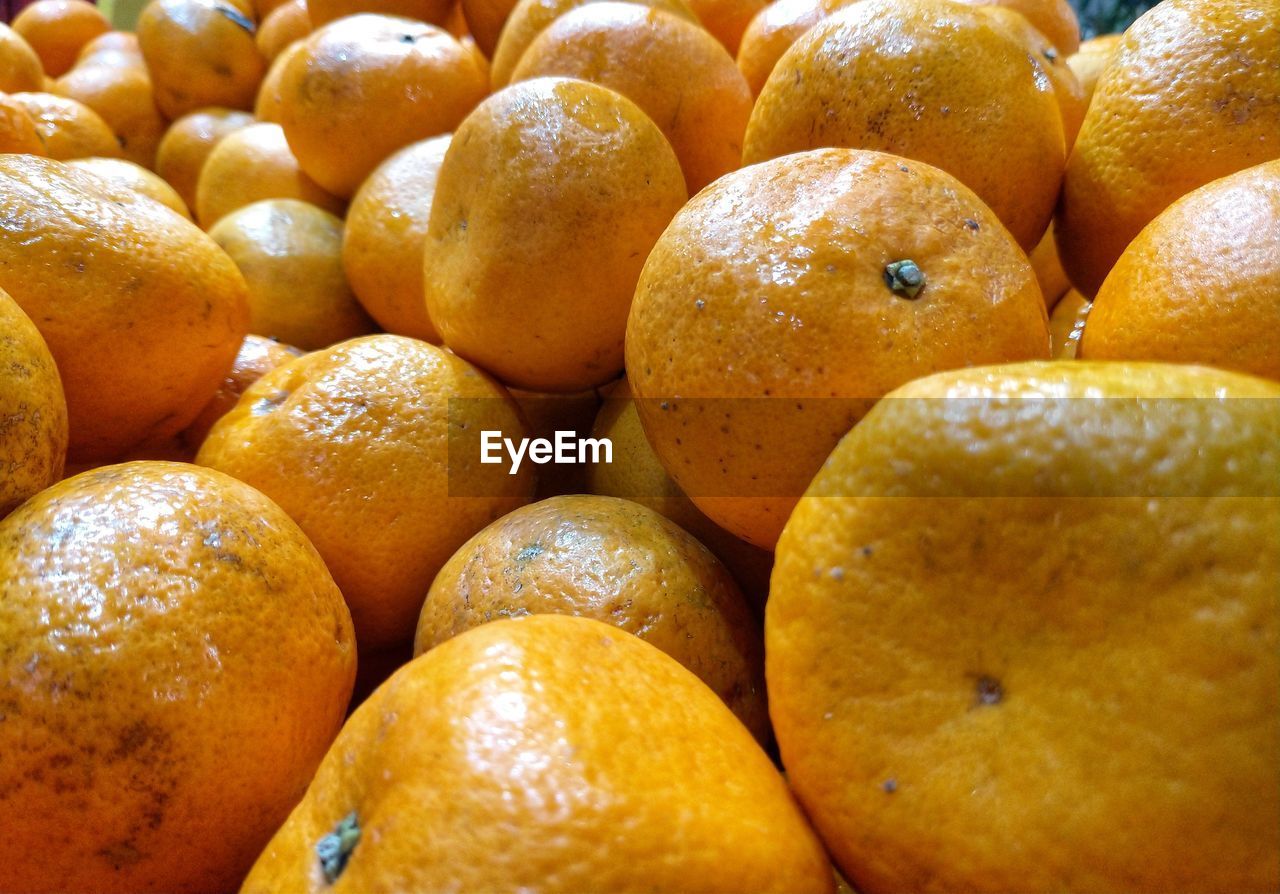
(676, 72)
(386, 230)
(530, 17)
(1066, 324)
(251, 164)
(200, 53)
(177, 659)
(485, 20)
(290, 253)
(727, 19)
(548, 413)
(186, 145)
(113, 48)
(267, 105)
(548, 753)
(373, 447)
(1022, 637)
(58, 29)
(286, 23)
(1091, 60)
(1192, 94)
(1049, 273)
(434, 11)
(33, 438)
(124, 97)
(118, 174)
(142, 311)
(257, 357)
(1201, 283)
(359, 91)
(68, 129)
(19, 65)
(1054, 19)
(550, 197)
(787, 297)
(617, 562)
(636, 474)
(18, 133)
(773, 30)
(986, 114)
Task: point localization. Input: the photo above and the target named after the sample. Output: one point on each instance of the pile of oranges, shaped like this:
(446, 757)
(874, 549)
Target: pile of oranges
(935, 543)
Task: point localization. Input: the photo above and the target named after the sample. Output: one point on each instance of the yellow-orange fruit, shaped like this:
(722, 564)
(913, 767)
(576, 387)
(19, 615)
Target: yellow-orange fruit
(727, 19)
(19, 65)
(1066, 324)
(68, 129)
(125, 99)
(187, 143)
(18, 132)
(1091, 60)
(434, 11)
(1055, 19)
(257, 357)
(58, 29)
(267, 105)
(118, 174)
(286, 23)
(773, 30)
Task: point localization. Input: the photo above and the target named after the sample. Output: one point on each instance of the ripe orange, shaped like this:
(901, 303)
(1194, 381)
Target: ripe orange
(773, 30)
(187, 143)
(677, 73)
(485, 20)
(1023, 637)
(1049, 273)
(727, 19)
(373, 447)
(142, 311)
(434, 11)
(267, 105)
(177, 660)
(1066, 324)
(551, 194)
(1192, 94)
(1091, 60)
(200, 53)
(358, 91)
(286, 23)
(58, 29)
(877, 270)
(124, 97)
(33, 438)
(119, 175)
(18, 133)
(290, 253)
(257, 357)
(251, 164)
(620, 563)
(115, 48)
(528, 19)
(548, 753)
(385, 233)
(1055, 19)
(1201, 283)
(19, 65)
(68, 129)
(986, 114)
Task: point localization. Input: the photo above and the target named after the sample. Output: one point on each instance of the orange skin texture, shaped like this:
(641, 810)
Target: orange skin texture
(1201, 283)
(1066, 324)
(359, 91)
(142, 311)
(530, 17)
(385, 233)
(987, 116)
(1192, 94)
(251, 164)
(485, 20)
(677, 73)
(269, 103)
(354, 443)
(125, 98)
(548, 754)
(58, 29)
(121, 175)
(1033, 623)
(257, 357)
(617, 562)
(18, 132)
(187, 144)
(200, 53)
(637, 474)
(20, 68)
(1055, 19)
(550, 197)
(67, 128)
(727, 19)
(1049, 273)
(290, 253)
(434, 12)
(771, 284)
(771, 33)
(155, 617)
(1091, 60)
(286, 23)
(112, 48)
(33, 440)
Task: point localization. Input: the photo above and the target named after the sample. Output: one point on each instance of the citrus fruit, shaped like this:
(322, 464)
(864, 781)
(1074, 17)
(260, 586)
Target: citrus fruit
(513, 756)
(118, 174)
(551, 194)
(18, 132)
(1049, 273)
(1023, 634)
(290, 253)
(727, 19)
(1091, 60)
(373, 447)
(267, 106)
(142, 311)
(19, 65)
(125, 98)
(1055, 19)
(115, 48)
(156, 617)
(186, 145)
(386, 230)
(68, 129)
(286, 23)
(58, 29)
(1200, 283)
(485, 20)
(434, 11)
(615, 561)
(257, 357)
(986, 113)
(877, 270)
(772, 31)
(1066, 324)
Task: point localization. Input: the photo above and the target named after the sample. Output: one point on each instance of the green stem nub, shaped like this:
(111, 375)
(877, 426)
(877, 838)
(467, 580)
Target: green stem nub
(904, 277)
(335, 848)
